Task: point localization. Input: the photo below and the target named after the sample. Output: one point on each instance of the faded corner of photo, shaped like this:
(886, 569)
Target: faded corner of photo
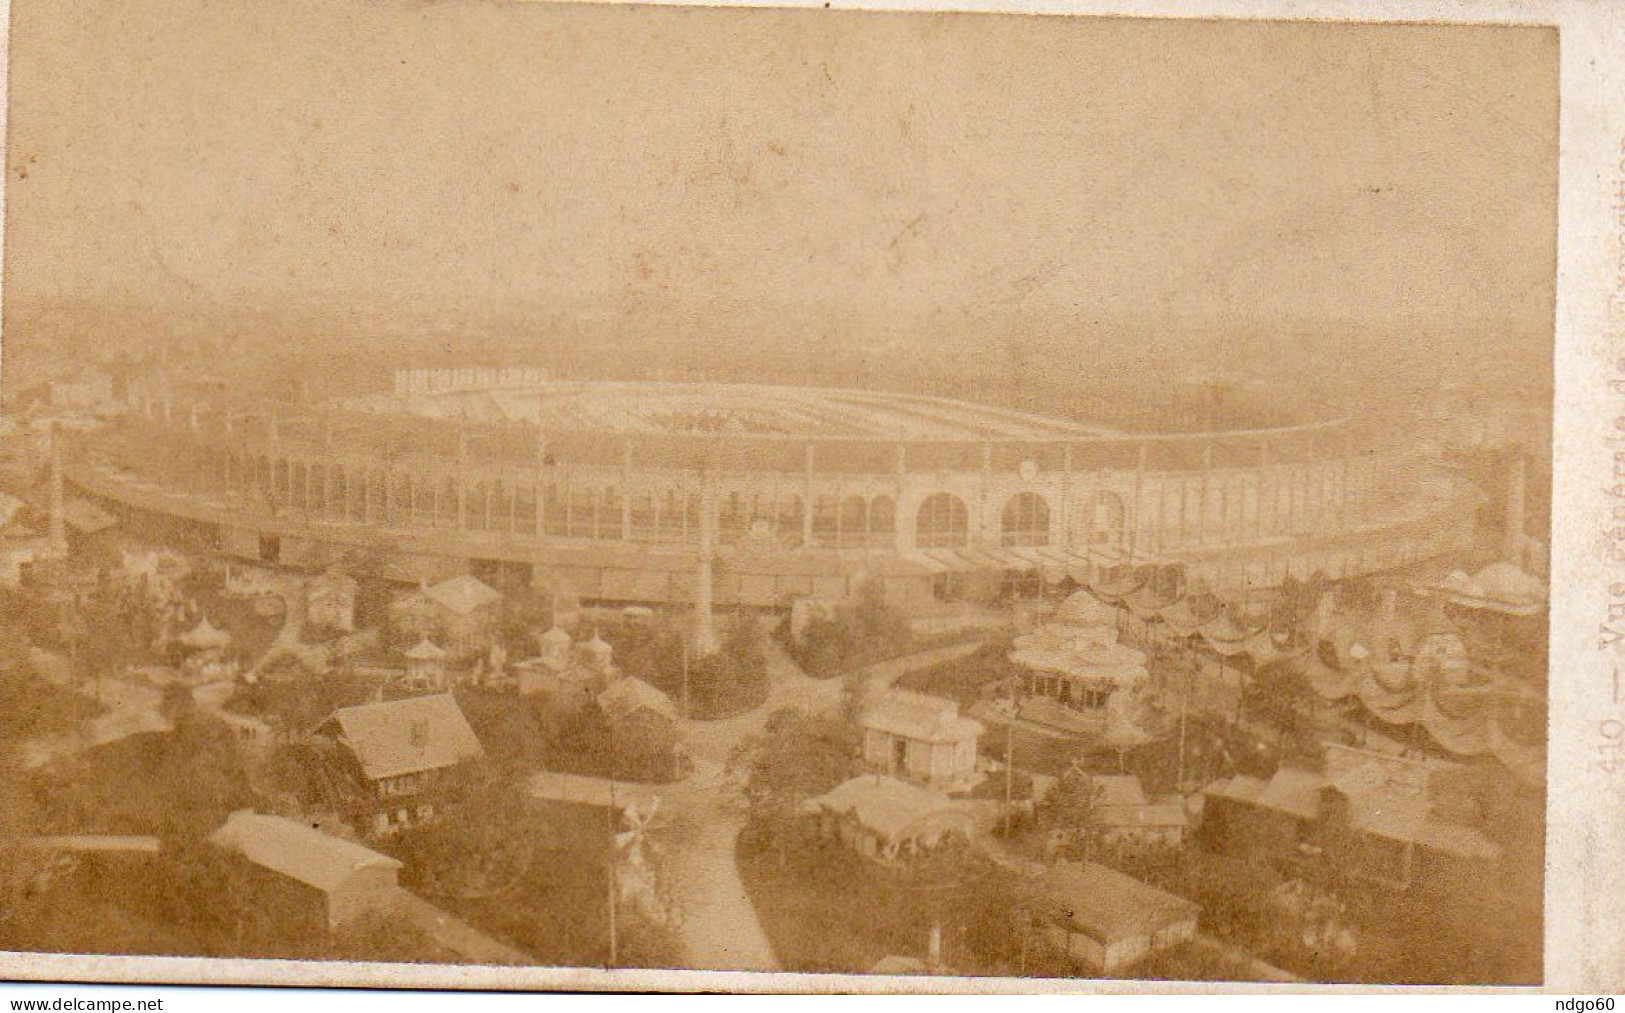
(504, 487)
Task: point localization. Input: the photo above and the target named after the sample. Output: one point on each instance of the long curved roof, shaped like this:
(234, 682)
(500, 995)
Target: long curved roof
(720, 408)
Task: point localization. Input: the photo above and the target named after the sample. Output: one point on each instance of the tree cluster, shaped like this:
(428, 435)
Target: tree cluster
(860, 632)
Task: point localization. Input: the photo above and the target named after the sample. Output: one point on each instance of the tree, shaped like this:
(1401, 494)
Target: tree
(875, 624)
(1067, 811)
(373, 592)
(734, 678)
(377, 937)
(524, 611)
(487, 850)
(201, 774)
(861, 631)
(796, 757)
(176, 703)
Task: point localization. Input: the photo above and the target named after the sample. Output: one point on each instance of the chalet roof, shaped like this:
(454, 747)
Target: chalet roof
(296, 850)
(407, 736)
(1107, 906)
(919, 716)
(1392, 797)
(891, 809)
(627, 696)
(1291, 791)
(85, 517)
(1122, 803)
(1119, 789)
(461, 596)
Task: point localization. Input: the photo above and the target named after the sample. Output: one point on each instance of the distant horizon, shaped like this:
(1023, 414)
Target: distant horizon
(689, 170)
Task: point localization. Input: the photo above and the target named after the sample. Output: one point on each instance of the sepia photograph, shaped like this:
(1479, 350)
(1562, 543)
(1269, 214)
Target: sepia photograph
(837, 492)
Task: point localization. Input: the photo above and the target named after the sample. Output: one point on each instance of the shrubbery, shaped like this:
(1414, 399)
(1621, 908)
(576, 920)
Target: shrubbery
(863, 631)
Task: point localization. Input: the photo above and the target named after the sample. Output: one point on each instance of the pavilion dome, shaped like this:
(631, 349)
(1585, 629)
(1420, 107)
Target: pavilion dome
(1458, 582)
(598, 652)
(1108, 662)
(1083, 609)
(1508, 583)
(555, 637)
(426, 650)
(205, 635)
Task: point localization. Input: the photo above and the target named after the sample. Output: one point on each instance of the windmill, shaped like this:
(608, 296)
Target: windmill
(633, 846)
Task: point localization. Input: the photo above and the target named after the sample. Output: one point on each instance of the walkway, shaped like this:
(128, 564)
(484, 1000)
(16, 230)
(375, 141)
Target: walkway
(720, 929)
(881, 676)
(458, 936)
(717, 922)
(292, 591)
(1258, 968)
(701, 816)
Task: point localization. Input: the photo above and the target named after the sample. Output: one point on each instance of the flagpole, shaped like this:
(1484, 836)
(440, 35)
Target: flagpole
(686, 712)
(614, 943)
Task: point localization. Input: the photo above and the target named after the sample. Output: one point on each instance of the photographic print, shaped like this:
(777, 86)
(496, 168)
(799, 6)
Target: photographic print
(846, 492)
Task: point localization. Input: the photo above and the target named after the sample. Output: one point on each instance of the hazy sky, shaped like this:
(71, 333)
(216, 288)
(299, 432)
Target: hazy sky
(472, 154)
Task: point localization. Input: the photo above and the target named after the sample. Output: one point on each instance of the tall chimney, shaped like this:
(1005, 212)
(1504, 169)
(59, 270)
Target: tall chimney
(1512, 538)
(705, 634)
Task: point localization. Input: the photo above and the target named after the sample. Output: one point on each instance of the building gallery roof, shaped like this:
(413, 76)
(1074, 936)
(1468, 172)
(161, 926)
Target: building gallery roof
(1107, 906)
(919, 716)
(295, 850)
(743, 409)
(895, 810)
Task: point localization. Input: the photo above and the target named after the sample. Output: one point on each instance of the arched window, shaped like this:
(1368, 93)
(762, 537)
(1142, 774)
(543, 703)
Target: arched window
(942, 522)
(673, 516)
(422, 505)
(645, 516)
(400, 499)
(854, 521)
(733, 519)
(377, 499)
(1106, 516)
(359, 496)
(1026, 520)
(317, 493)
(338, 489)
(448, 502)
(790, 515)
(299, 486)
(825, 521)
(524, 509)
(882, 520)
(691, 516)
(583, 507)
(609, 515)
(554, 514)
